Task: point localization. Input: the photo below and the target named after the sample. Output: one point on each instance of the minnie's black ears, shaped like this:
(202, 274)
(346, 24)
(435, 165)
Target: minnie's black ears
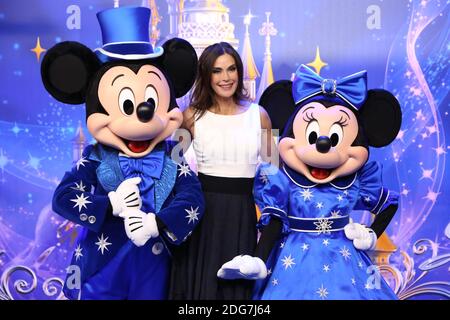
(66, 70)
(180, 63)
(381, 117)
(279, 103)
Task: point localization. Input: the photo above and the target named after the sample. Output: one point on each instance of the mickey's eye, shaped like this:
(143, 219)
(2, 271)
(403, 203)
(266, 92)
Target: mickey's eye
(126, 101)
(336, 134)
(151, 96)
(312, 131)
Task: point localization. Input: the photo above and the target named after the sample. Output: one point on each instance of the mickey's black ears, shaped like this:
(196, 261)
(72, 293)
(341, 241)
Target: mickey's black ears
(279, 103)
(180, 63)
(66, 70)
(381, 117)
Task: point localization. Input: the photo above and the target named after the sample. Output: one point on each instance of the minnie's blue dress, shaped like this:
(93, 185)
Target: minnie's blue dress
(315, 260)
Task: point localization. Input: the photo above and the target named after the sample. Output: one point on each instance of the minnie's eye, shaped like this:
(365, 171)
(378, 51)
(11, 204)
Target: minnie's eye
(151, 96)
(126, 101)
(312, 132)
(336, 134)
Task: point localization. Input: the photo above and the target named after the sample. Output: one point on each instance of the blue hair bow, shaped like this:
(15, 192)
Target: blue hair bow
(352, 89)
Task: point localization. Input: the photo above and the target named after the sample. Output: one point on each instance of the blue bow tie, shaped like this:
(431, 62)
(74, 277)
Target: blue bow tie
(151, 165)
(352, 89)
(147, 168)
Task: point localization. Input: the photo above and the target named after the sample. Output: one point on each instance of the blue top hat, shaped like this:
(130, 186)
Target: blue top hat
(125, 33)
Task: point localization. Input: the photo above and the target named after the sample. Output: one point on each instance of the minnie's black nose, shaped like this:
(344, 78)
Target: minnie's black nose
(323, 144)
(145, 111)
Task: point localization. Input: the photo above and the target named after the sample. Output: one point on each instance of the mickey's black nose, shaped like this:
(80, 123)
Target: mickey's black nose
(145, 111)
(323, 144)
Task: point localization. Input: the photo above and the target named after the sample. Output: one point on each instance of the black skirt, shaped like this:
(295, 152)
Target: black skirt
(227, 229)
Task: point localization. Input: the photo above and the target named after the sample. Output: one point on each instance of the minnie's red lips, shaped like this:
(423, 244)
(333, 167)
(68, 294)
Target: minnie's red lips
(137, 146)
(320, 173)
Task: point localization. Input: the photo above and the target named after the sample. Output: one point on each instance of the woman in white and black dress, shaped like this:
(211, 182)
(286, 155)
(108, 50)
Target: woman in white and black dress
(227, 135)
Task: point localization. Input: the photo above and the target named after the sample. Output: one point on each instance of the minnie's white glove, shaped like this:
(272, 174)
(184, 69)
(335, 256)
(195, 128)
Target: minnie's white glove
(126, 196)
(139, 226)
(243, 267)
(363, 238)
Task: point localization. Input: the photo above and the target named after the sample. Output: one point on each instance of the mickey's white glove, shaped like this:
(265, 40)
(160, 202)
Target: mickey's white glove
(243, 267)
(126, 196)
(363, 238)
(139, 226)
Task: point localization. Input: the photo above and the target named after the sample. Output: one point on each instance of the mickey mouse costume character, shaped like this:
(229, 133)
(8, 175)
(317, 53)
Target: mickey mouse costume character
(126, 185)
(324, 176)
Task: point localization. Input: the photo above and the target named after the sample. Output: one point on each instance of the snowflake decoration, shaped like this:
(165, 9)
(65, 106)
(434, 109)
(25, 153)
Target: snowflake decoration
(323, 225)
(336, 213)
(78, 253)
(288, 262)
(81, 162)
(192, 214)
(79, 186)
(103, 243)
(263, 177)
(345, 253)
(81, 202)
(306, 194)
(184, 170)
(322, 292)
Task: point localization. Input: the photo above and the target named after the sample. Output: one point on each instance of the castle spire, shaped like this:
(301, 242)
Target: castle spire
(175, 8)
(267, 79)
(250, 70)
(79, 142)
(154, 20)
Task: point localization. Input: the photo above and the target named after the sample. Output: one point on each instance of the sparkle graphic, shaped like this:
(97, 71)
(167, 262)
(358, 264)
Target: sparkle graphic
(34, 162)
(81, 162)
(103, 243)
(78, 253)
(306, 194)
(81, 202)
(317, 64)
(184, 170)
(345, 253)
(192, 214)
(38, 50)
(16, 129)
(336, 213)
(431, 195)
(322, 292)
(426, 174)
(288, 262)
(79, 186)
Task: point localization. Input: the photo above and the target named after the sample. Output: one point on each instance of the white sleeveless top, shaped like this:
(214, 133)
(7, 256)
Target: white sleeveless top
(228, 145)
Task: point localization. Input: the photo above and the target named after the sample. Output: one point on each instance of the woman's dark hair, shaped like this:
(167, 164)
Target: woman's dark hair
(203, 94)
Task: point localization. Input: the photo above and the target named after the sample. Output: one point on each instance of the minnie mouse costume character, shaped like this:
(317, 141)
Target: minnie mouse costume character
(129, 195)
(324, 176)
